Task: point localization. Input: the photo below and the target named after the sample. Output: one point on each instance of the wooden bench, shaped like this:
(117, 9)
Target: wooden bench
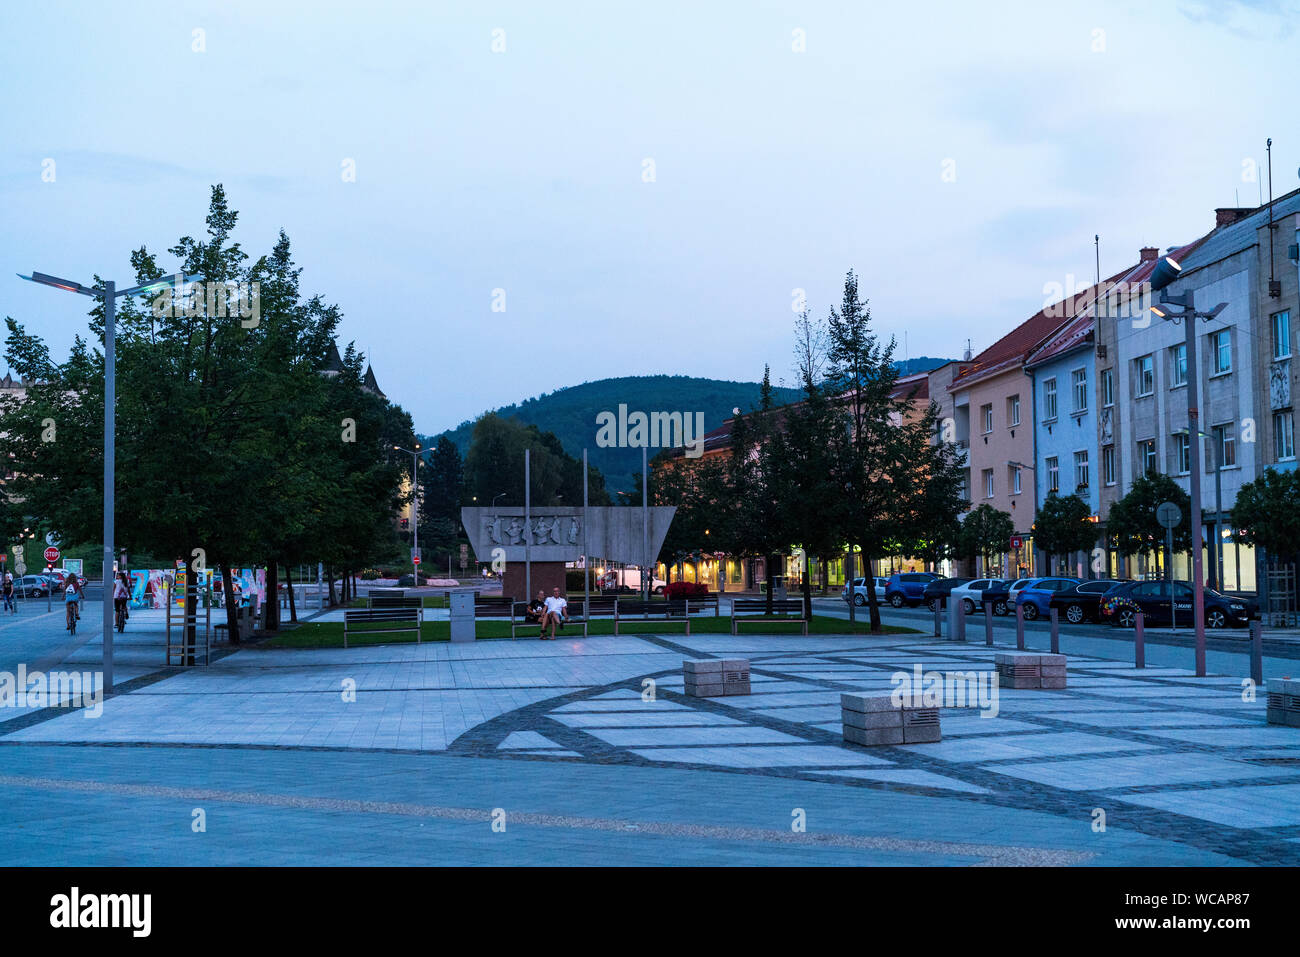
(384, 601)
(745, 610)
(381, 620)
(701, 603)
(630, 608)
(595, 606)
(492, 606)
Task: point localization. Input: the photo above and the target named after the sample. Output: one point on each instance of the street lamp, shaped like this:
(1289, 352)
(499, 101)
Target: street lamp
(1182, 308)
(109, 293)
(415, 509)
(495, 497)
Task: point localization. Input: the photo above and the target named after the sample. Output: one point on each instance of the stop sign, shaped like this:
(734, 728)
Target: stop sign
(51, 554)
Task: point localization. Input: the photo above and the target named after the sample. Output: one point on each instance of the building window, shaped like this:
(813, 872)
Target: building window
(1107, 387)
(1108, 464)
(988, 483)
(1147, 457)
(1182, 452)
(1281, 335)
(986, 411)
(1221, 347)
(1049, 400)
(1146, 376)
(1225, 446)
(1015, 480)
(1283, 435)
(1081, 469)
(1178, 361)
(1013, 410)
(1079, 386)
(1053, 475)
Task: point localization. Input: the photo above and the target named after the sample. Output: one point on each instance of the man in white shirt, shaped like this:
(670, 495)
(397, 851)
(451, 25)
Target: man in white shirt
(556, 612)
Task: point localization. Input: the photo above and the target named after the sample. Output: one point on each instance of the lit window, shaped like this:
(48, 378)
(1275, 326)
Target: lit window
(1053, 474)
(1081, 469)
(1147, 456)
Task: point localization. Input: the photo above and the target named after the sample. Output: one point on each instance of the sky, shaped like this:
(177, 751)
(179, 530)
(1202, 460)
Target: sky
(645, 188)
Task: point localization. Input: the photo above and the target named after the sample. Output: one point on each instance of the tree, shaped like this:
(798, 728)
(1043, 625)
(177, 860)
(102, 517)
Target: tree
(986, 532)
(494, 463)
(1131, 525)
(1267, 513)
(1063, 526)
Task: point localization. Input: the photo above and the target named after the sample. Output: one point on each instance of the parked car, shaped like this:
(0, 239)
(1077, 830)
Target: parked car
(907, 588)
(60, 575)
(1082, 602)
(1120, 606)
(939, 589)
(971, 594)
(32, 586)
(1002, 594)
(860, 590)
(1033, 599)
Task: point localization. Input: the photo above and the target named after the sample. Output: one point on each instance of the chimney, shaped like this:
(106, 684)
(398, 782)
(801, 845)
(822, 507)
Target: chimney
(1227, 215)
(1148, 254)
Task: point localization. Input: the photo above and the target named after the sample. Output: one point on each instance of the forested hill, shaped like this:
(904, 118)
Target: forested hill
(571, 413)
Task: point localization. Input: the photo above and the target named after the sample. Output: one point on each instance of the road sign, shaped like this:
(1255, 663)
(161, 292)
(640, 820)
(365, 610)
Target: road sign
(20, 569)
(52, 554)
(1016, 543)
(53, 540)
(72, 566)
(1169, 514)
(416, 559)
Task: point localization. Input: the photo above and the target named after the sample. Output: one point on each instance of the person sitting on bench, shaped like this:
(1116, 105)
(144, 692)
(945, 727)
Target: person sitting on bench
(536, 611)
(556, 612)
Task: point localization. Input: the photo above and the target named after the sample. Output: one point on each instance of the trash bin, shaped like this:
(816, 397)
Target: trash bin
(462, 616)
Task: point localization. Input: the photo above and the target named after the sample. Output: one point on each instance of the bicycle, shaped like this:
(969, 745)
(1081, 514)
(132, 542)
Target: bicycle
(121, 617)
(72, 616)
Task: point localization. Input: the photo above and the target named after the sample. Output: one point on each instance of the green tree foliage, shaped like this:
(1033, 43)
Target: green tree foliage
(232, 448)
(1267, 513)
(495, 464)
(1132, 526)
(986, 532)
(1062, 526)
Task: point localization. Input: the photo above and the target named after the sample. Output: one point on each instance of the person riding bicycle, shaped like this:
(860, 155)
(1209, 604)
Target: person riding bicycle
(72, 594)
(121, 594)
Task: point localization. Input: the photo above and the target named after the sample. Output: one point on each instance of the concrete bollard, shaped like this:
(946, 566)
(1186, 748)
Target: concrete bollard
(988, 624)
(1139, 641)
(1020, 628)
(1257, 652)
(961, 619)
(1055, 617)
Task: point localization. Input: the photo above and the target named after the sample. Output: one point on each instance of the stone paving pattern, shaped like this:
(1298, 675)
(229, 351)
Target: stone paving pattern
(590, 764)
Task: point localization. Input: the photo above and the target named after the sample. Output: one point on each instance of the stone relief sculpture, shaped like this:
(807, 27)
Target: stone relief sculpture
(543, 530)
(1279, 385)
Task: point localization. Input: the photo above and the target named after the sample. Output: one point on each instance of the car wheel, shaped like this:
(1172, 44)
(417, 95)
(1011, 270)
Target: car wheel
(1126, 618)
(896, 600)
(1000, 609)
(859, 600)
(1215, 618)
(1030, 611)
(968, 605)
(1074, 614)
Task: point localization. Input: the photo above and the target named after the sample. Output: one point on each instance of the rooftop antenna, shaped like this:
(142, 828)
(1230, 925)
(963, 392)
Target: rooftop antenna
(967, 356)
(1274, 287)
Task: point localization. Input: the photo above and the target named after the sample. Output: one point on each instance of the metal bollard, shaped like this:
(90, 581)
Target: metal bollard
(1139, 641)
(988, 624)
(1056, 630)
(1257, 652)
(952, 618)
(938, 611)
(961, 619)
(1020, 627)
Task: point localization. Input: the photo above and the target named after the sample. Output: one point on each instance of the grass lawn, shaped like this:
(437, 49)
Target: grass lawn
(329, 634)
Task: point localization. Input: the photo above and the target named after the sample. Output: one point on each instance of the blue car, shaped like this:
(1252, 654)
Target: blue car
(1036, 597)
(907, 588)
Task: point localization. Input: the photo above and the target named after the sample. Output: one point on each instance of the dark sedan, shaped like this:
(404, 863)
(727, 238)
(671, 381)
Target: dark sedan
(1082, 602)
(941, 588)
(1121, 604)
(1002, 595)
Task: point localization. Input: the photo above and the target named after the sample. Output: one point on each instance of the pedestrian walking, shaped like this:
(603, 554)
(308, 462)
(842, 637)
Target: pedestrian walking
(7, 589)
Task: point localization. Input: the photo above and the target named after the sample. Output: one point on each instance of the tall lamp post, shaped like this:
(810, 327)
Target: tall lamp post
(109, 293)
(1182, 308)
(415, 509)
